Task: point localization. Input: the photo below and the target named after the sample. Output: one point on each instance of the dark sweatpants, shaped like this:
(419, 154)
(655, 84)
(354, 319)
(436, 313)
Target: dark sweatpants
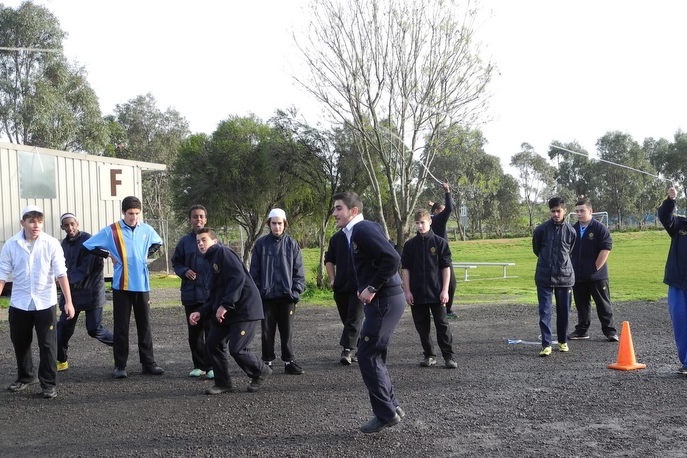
(197, 335)
(278, 314)
(232, 339)
(350, 310)
(122, 304)
(381, 318)
(22, 324)
(598, 290)
(94, 327)
(423, 323)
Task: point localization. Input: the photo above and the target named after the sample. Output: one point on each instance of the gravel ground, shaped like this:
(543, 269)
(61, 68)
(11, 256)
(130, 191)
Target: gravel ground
(502, 401)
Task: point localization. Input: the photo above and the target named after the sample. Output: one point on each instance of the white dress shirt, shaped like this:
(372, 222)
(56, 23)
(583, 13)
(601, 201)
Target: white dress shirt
(32, 271)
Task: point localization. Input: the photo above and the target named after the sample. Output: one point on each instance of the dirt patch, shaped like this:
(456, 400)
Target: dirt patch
(502, 401)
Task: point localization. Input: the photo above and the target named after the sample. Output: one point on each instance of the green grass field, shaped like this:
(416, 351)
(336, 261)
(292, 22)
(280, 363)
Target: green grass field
(636, 269)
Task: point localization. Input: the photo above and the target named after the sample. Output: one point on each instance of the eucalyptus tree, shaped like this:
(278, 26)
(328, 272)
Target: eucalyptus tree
(625, 192)
(669, 158)
(574, 172)
(240, 172)
(398, 73)
(44, 100)
(535, 175)
(141, 131)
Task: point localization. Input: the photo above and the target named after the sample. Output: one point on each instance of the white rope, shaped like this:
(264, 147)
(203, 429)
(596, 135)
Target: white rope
(5, 48)
(430, 173)
(609, 162)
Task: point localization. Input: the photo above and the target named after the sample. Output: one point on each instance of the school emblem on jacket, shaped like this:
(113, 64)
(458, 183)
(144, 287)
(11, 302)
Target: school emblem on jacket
(590, 236)
(215, 267)
(433, 251)
(354, 247)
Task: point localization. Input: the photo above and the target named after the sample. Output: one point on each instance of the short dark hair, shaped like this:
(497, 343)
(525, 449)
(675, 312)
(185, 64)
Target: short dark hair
(584, 201)
(436, 206)
(130, 202)
(197, 207)
(556, 202)
(350, 199)
(208, 231)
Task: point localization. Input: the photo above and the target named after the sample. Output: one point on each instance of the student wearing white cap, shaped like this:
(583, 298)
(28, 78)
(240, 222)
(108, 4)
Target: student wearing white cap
(277, 269)
(34, 260)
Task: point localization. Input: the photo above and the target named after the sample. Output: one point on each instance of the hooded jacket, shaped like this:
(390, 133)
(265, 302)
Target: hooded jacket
(553, 243)
(277, 268)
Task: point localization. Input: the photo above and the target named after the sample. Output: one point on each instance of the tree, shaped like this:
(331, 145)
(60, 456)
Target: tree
(316, 166)
(397, 73)
(536, 175)
(623, 191)
(44, 101)
(239, 173)
(141, 131)
(575, 173)
(669, 158)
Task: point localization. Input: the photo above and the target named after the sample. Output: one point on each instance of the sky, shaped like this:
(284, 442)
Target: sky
(566, 70)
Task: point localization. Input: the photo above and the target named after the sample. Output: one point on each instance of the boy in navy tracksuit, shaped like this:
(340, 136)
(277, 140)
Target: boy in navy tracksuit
(376, 264)
(234, 310)
(589, 256)
(676, 273)
(426, 265)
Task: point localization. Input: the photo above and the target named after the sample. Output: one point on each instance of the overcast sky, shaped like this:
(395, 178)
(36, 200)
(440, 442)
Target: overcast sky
(567, 70)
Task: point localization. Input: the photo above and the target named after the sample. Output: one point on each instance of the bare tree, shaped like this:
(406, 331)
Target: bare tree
(536, 176)
(398, 72)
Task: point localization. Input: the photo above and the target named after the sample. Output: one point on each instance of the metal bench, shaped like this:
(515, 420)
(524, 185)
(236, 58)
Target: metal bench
(473, 265)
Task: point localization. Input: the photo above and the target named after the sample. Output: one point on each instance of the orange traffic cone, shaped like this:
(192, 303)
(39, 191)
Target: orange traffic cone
(626, 352)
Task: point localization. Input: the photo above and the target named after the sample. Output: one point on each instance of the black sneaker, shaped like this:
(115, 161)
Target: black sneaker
(578, 336)
(217, 389)
(257, 381)
(346, 359)
(118, 372)
(153, 369)
(612, 337)
(18, 385)
(682, 370)
(49, 393)
(375, 425)
(293, 368)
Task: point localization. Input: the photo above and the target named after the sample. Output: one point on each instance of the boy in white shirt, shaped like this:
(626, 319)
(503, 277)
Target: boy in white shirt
(34, 260)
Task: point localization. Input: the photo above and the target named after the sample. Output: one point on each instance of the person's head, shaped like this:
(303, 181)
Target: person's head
(205, 238)
(197, 217)
(69, 224)
(557, 209)
(422, 221)
(276, 221)
(32, 221)
(437, 207)
(131, 209)
(583, 210)
(347, 205)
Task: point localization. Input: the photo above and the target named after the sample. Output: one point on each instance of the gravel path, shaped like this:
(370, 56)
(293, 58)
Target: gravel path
(502, 401)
